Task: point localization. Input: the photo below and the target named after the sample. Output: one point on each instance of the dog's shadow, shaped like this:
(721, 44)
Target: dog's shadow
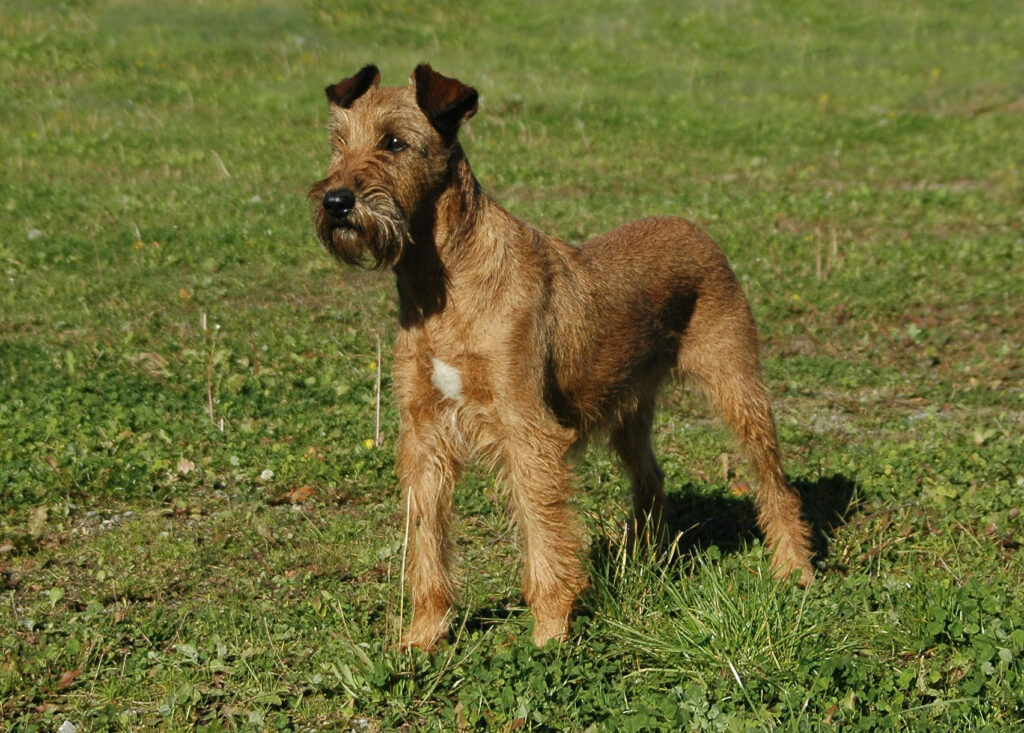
(729, 522)
(829, 504)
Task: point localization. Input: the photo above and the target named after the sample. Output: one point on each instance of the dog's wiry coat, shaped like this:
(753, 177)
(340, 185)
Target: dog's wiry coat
(515, 346)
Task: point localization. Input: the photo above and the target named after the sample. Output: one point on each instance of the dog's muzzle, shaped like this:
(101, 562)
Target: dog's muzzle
(365, 229)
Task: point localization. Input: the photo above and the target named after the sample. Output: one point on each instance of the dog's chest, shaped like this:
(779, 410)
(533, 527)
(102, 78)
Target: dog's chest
(446, 378)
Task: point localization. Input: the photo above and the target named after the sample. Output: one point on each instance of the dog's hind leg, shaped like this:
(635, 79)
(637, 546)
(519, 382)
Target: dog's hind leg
(631, 439)
(719, 356)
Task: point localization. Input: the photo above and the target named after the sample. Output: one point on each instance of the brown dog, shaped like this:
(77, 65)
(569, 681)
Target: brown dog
(515, 346)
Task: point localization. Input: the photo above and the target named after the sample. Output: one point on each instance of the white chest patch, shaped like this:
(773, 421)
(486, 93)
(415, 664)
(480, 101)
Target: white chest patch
(447, 379)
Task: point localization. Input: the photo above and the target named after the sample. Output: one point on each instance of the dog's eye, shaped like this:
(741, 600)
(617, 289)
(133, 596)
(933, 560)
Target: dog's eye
(393, 143)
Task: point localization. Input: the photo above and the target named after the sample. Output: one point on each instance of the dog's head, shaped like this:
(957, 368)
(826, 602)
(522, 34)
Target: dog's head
(391, 153)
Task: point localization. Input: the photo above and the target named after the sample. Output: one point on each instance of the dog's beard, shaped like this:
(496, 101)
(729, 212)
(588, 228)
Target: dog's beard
(373, 235)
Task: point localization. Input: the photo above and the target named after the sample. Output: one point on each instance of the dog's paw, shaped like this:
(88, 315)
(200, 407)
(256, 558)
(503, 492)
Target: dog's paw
(425, 634)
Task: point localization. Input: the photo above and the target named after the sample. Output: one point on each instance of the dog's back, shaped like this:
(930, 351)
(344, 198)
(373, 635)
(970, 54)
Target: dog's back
(622, 309)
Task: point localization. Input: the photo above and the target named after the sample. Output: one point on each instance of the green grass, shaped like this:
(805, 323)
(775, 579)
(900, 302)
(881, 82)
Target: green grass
(180, 364)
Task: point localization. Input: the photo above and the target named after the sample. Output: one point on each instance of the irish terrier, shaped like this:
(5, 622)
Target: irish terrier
(515, 346)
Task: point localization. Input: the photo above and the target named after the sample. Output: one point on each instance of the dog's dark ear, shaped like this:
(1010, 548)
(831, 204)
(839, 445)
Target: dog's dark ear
(346, 91)
(446, 102)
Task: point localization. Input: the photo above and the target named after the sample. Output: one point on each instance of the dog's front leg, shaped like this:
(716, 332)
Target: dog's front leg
(540, 485)
(427, 468)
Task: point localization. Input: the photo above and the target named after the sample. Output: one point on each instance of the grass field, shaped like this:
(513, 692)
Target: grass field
(196, 529)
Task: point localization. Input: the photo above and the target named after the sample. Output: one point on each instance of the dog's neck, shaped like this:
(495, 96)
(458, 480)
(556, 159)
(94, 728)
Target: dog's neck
(460, 207)
(441, 253)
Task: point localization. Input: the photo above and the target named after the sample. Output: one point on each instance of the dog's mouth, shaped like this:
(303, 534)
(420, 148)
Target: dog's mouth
(343, 227)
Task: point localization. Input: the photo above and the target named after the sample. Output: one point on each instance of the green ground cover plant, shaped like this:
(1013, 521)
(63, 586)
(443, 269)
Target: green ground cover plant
(198, 528)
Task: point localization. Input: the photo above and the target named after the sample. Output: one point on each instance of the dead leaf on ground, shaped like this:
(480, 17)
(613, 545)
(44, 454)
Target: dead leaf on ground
(739, 488)
(294, 496)
(152, 364)
(37, 521)
(68, 677)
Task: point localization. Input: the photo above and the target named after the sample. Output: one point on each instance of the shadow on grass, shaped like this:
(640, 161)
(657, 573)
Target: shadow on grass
(730, 522)
(482, 619)
(828, 505)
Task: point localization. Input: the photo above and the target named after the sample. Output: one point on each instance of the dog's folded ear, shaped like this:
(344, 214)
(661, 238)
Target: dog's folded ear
(346, 91)
(446, 102)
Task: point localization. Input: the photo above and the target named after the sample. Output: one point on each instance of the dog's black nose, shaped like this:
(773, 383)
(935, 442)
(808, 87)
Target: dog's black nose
(339, 202)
